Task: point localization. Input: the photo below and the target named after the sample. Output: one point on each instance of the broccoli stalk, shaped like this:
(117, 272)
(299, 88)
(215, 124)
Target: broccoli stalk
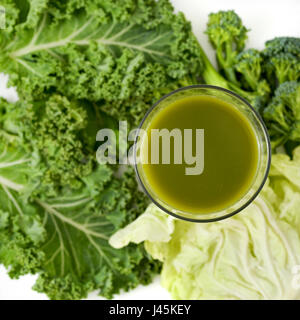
(241, 71)
(227, 35)
(211, 76)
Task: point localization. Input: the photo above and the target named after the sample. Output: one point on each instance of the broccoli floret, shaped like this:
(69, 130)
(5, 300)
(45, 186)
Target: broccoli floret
(252, 74)
(227, 34)
(242, 70)
(249, 65)
(282, 115)
(282, 60)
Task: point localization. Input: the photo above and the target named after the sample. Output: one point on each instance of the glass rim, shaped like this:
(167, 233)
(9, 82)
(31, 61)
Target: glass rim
(256, 193)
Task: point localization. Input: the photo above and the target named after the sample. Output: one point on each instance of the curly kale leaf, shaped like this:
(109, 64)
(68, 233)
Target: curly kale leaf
(65, 238)
(21, 229)
(78, 256)
(99, 54)
(58, 131)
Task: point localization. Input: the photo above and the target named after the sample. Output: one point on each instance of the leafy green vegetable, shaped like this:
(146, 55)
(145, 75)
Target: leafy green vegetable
(59, 131)
(64, 237)
(249, 256)
(119, 56)
(16, 167)
(77, 254)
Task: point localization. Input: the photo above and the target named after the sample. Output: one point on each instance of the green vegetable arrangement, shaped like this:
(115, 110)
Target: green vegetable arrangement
(80, 66)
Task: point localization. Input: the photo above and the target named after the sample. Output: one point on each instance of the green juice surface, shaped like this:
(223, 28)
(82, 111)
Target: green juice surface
(230, 156)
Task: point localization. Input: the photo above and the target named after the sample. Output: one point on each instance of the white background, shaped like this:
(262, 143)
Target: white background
(266, 19)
